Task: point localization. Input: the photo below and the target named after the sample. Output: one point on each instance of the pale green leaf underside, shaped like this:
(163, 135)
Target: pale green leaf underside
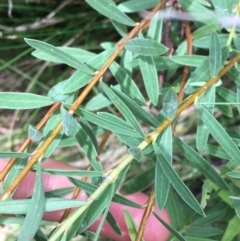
(23, 101)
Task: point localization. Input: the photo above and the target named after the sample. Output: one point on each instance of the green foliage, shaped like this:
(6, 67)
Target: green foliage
(190, 156)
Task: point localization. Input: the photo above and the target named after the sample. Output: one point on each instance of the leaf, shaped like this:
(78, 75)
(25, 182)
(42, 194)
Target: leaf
(61, 172)
(132, 227)
(201, 164)
(233, 174)
(79, 54)
(35, 210)
(139, 182)
(113, 223)
(88, 147)
(109, 9)
(202, 130)
(103, 218)
(97, 102)
(51, 125)
(56, 92)
(136, 153)
(170, 228)
(22, 101)
(136, 5)
(106, 124)
(223, 6)
(203, 231)
(215, 54)
(13, 173)
(162, 184)
(170, 103)
(126, 82)
(189, 60)
(121, 28)
(51, 204)
(78, 79)
(122, 108)
(7, 154)
(177, 183)
(150, 77)
(219, 134)
(155, 28)
(34, 134)
(204, 42)
(215, 216)
(69, 124)
(57, 53)
(145, 47)
(137, 111)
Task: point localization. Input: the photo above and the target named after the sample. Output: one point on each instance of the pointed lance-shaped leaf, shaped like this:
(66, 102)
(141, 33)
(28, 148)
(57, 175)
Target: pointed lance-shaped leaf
(35, 210)
(69, 124)
(215, 54)
(145, 47)
(150, 77)
(23, 101)
(219, 134)
(59, 54)
(177, 183)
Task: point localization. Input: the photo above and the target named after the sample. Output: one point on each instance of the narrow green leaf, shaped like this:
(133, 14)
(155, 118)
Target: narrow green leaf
(97, 102)
(150, 78)
(202, 130)
(200, 74)
(209, 218)
(113, 223)
(69, 125)
(61, 172)
(109, 9)
(204, 42)
(79, 54)
(103, 218)
(132, 227)
(162, 184)
(170, 228)
(106, 124)
(145, 47)
(215, 54)
(22, 101)
(121, 28)
(177, 183)
(219, 134)
(233, 174)
(223, 6)
(139, 182)
(56, 92)
(136, 153)
(60, 192)
(51, 124)
(189, 60)
(34, 134)
(136, 5)
(155, 28)
(35, 210)
(122, 108)
(238, 97)
(88, 147)
(126, 82)
(57, 53)
(203, 231)
(78, 79)
(170, 103)
(6, 154)
(137, 111)
(201, 164)
(51, 204)
(13, 173)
